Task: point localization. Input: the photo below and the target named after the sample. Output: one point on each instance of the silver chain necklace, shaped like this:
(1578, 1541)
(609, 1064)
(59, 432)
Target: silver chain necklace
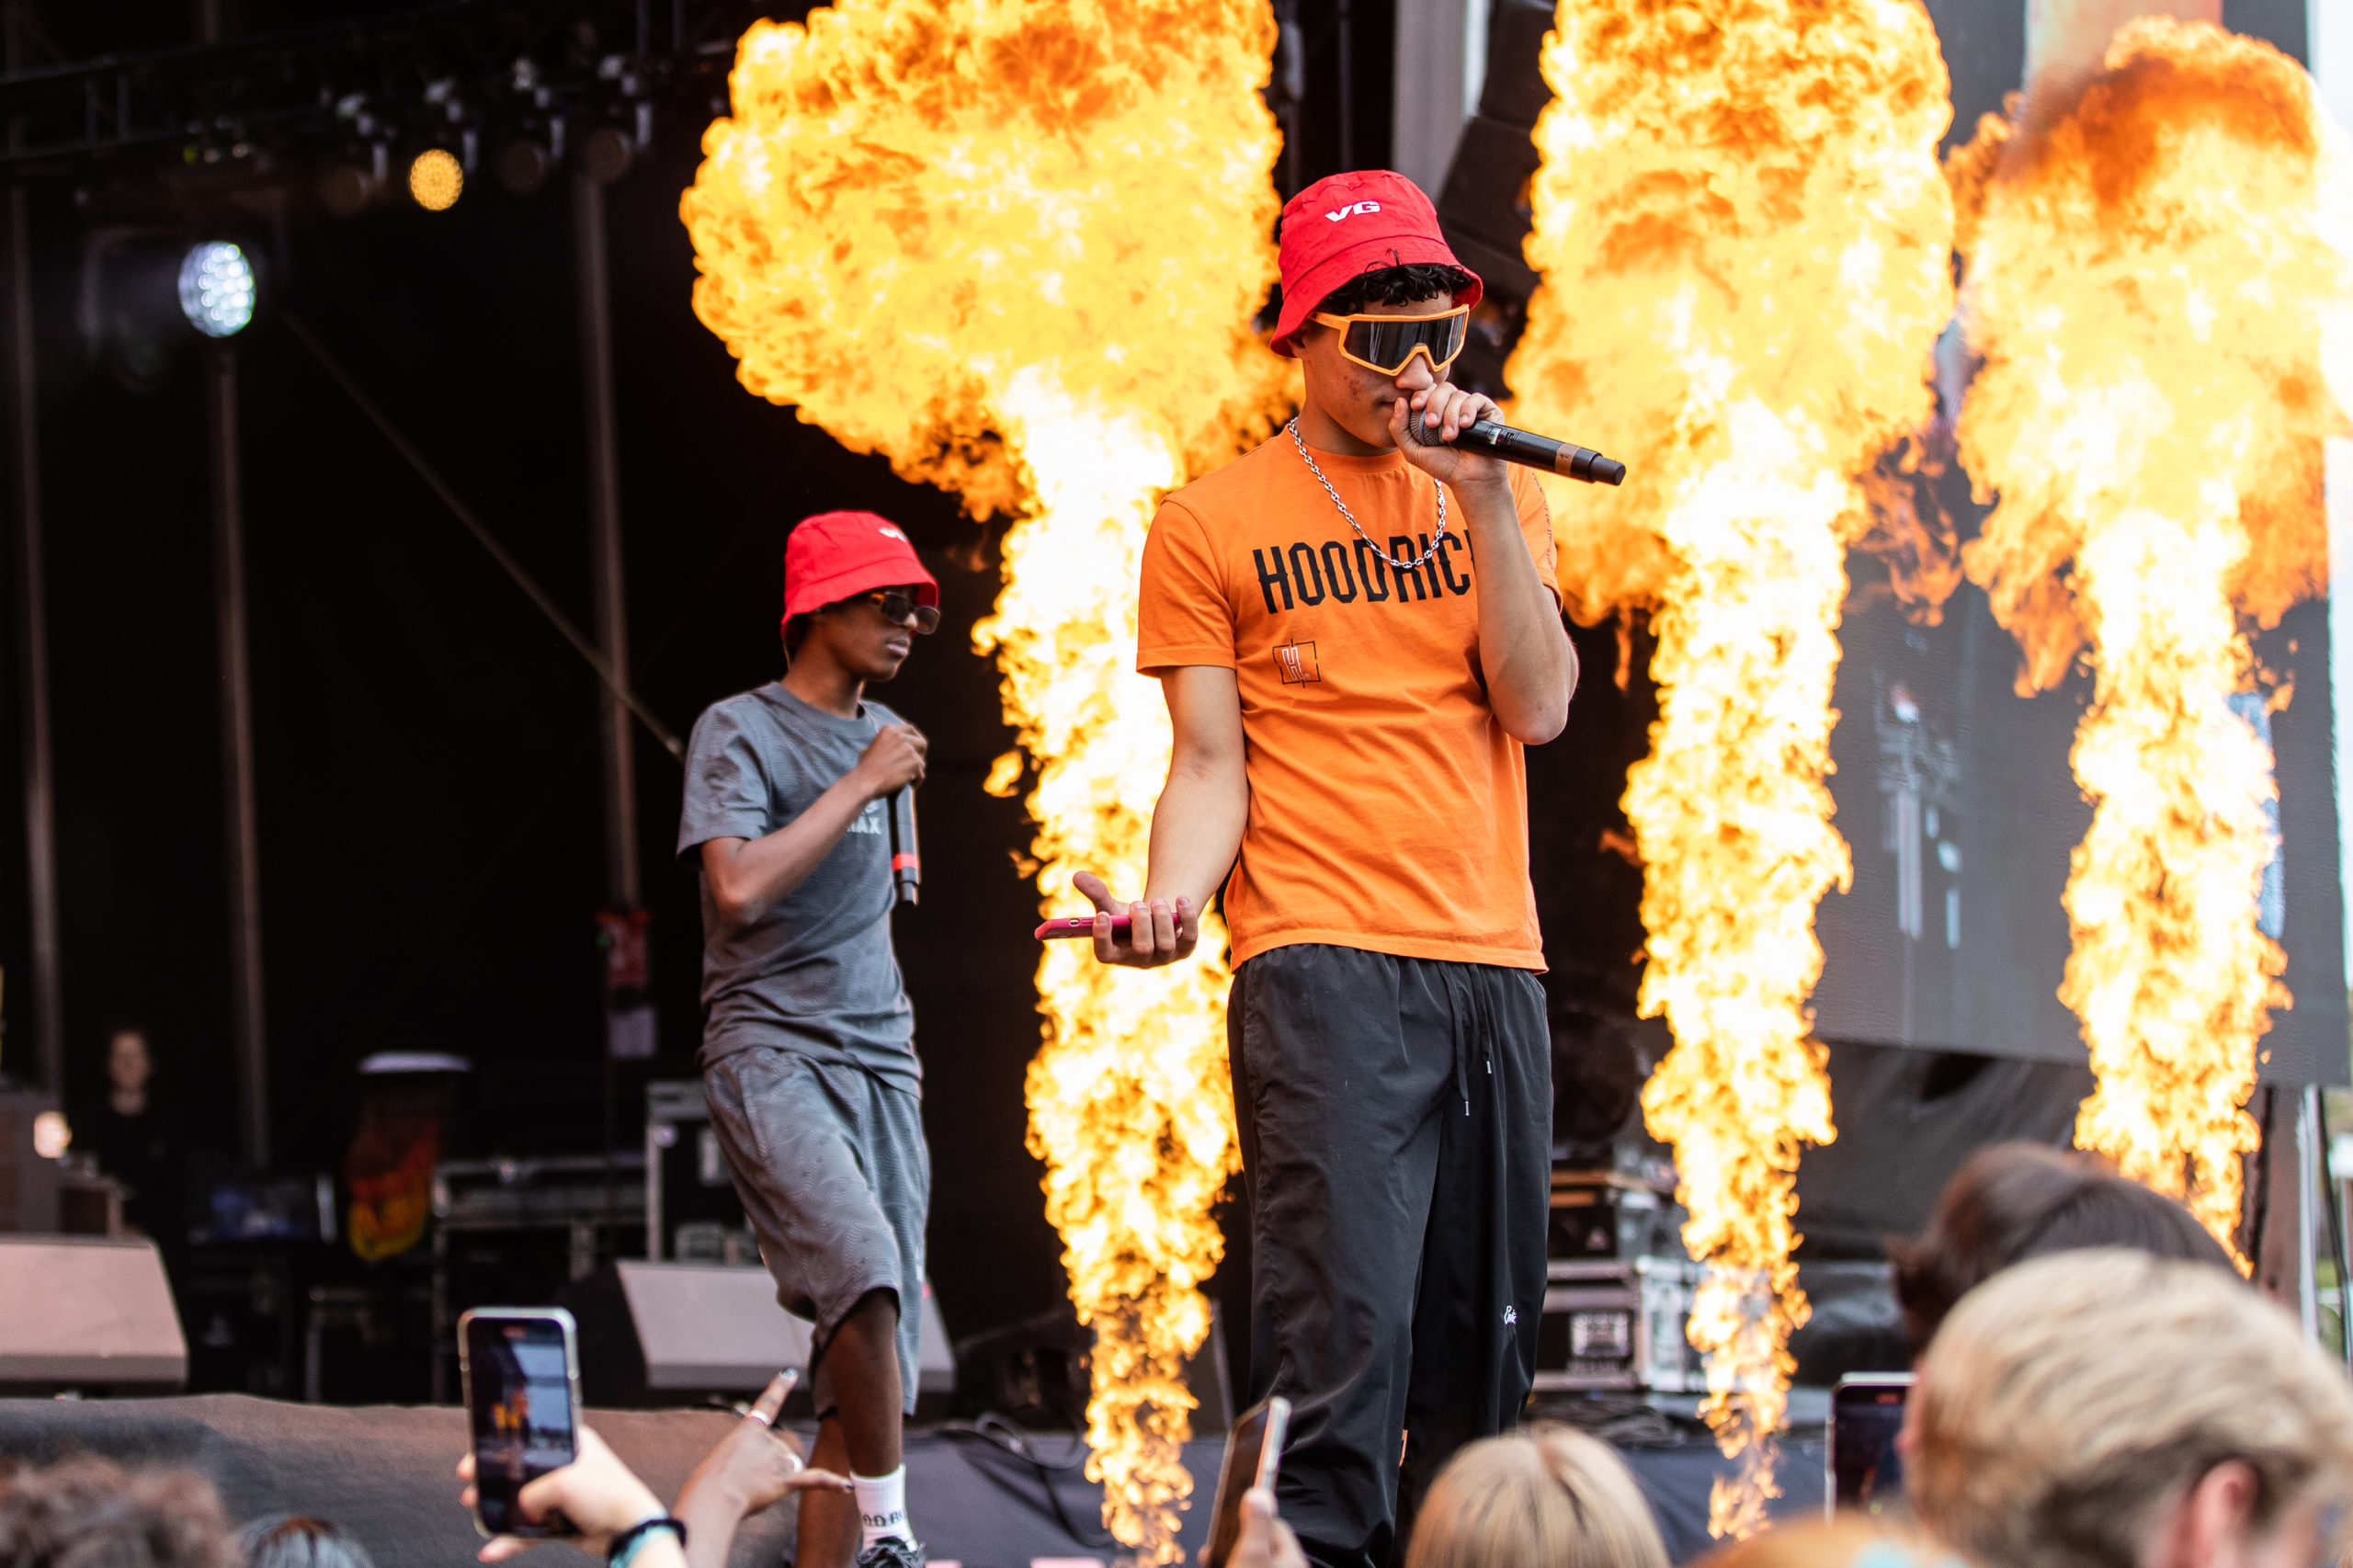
(1437, 539)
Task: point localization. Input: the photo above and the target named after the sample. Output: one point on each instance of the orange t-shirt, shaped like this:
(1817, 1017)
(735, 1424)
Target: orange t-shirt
(1388, 805)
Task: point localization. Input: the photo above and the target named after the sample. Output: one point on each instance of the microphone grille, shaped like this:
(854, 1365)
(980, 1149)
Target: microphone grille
(1419, 433)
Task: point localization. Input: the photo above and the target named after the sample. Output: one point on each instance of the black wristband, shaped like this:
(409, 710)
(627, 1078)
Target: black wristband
(623, 1546)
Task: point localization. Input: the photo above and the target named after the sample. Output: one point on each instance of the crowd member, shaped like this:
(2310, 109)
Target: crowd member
(135, 1133)
(808, 1056)
(615, 1515)
(2013, 1201)
(1265, 1540)
(1546, 1496)
(296, 1540)
(752, 1468)
(1850, 1540)
(2109, 1409)
(601, 1500)
(1356, 635)
(92, 1513)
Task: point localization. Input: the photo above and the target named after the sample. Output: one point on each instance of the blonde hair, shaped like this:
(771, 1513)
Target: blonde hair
(1546, 1496)
(2067, 1401)
(1840, 1543)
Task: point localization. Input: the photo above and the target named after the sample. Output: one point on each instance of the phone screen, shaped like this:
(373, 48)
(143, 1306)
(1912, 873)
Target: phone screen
(518, 1385)
(1866, 1414)
(1253, 1452)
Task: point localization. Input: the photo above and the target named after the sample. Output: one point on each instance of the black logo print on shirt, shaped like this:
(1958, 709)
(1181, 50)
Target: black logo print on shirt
(1308, 574)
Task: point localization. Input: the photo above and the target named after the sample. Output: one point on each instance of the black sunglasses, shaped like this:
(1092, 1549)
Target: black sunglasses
(899, 610)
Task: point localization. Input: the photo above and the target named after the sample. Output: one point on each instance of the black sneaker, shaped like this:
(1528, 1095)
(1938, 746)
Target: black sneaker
(892, 1551)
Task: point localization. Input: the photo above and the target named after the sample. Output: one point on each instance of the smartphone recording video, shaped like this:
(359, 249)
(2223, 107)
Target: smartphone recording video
(1866, 1416)
(521, 1372)
(1253, 1452)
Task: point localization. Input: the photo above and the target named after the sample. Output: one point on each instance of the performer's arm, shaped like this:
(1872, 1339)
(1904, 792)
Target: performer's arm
(1196, 828)
(749, 875)
(1524, 651)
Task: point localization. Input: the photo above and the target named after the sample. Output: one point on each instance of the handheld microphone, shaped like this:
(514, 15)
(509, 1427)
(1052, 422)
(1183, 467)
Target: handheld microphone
(906, 864)
(1522, 447)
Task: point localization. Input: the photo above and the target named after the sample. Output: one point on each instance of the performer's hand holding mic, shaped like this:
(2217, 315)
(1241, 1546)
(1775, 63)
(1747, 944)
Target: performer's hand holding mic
(1562, 458)
(894, 761)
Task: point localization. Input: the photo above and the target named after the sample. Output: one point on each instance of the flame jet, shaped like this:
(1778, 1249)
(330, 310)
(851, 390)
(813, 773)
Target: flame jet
(1745, 240)
(1015, 247)
(2159, 286)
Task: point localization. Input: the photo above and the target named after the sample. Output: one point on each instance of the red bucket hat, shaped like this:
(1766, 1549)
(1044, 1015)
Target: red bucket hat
(1346, 224)
(833, 555)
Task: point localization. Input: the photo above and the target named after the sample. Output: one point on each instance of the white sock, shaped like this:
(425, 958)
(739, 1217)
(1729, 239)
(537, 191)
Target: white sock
(882, 1507)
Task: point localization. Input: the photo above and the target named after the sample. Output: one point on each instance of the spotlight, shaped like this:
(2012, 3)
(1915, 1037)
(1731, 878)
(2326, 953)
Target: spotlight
(436, 179)
(345, 189)
(523, 166)
(605, 155)
(217, 288)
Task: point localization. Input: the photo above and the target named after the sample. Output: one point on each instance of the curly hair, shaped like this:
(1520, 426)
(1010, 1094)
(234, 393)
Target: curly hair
(86, 1512)
(1396, 286)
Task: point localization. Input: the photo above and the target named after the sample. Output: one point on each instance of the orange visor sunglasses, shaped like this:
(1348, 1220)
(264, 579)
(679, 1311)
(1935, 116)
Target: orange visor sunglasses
(1388, 344)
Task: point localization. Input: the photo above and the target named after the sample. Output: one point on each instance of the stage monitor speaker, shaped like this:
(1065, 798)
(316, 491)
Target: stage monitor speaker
(669, 1333)
(88, 1313)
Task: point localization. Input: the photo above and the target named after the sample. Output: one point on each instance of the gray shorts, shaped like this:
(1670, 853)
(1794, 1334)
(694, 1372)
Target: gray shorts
(835, 1176)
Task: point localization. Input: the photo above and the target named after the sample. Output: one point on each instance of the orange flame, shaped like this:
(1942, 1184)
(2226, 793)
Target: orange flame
(2158, 283)
(1745, 237)
(1016, 247)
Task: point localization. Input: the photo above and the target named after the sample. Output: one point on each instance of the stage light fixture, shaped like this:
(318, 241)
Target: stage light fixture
(436, 179)
(346, 189)
(606, 155)
(523, 166)
(217, 288)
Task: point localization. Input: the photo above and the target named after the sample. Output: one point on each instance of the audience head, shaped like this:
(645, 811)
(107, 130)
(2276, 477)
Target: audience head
(129, 1063)
(2013, 1201)
(2109, 1409)
(91, 1513)
(292, 1540)
(1850, 1541)
(1546, 1496)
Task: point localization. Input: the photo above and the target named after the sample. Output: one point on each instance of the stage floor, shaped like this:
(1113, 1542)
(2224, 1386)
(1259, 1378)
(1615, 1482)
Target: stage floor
(384, 1473)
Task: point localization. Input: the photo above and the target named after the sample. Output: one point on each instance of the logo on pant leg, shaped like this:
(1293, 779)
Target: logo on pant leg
(1295, 661)
(1511, 1315)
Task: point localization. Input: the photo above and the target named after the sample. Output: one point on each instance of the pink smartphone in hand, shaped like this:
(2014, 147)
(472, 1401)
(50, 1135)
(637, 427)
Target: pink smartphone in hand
(1078, 926)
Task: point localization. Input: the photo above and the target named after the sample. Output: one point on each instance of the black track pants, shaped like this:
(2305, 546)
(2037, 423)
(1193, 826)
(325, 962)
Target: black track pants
(1396, 1128)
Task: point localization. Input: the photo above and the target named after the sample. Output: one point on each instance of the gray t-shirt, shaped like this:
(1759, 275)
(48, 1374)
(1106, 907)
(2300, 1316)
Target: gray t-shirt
(815, 973)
